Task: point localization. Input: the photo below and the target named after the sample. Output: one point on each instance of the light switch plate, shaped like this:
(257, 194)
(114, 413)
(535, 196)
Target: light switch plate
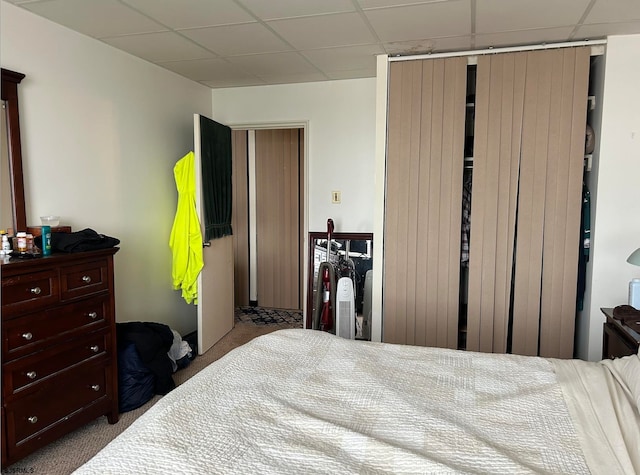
(335, 197)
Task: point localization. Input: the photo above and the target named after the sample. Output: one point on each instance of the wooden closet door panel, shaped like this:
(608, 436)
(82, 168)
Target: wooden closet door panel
(549, 202)
(564, 203)
(240, 216)
(278, 218)
(498, 122)
(423, 203)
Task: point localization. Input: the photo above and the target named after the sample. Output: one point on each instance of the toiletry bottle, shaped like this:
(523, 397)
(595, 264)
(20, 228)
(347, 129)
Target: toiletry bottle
(22, 242)
(634, 293)
(6, 245)
(46, 240)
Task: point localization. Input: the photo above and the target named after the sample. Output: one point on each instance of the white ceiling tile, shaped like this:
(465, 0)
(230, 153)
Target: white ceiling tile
(275, 9)
(97, 18)
(192, 13)
(511, 15)
(251, 38)
(165, 46)
(355, 74)
(206, 69)
(273, 64)
(369, 4)
(602, 30)
(523, 37)
(347, 58)
(430, 45)
(323, 31)
(234, 82)
(416, 22)
(607, 11)
(293, 78)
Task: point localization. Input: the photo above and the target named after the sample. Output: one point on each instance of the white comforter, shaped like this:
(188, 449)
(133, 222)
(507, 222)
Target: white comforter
(302, 401)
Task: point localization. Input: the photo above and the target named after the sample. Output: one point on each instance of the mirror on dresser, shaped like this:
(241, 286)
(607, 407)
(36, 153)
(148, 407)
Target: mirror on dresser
(352, 255)
(13, 210)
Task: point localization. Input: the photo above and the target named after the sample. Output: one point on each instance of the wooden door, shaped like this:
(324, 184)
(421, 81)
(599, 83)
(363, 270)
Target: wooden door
(278, 217)
(215, 282)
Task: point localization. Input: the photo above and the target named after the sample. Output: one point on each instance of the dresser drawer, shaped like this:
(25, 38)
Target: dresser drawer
(83, 279)
(36, 413)
(38, 330)
(28, 292)
(31, 372)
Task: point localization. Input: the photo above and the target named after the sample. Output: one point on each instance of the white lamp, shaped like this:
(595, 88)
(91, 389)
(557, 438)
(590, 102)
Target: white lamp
(634, 285)
(634, 258)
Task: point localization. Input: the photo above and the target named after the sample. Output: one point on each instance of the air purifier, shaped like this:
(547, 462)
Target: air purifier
(345, 309)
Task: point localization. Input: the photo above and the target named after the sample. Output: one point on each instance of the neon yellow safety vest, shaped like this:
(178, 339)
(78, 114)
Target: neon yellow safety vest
(186, 237)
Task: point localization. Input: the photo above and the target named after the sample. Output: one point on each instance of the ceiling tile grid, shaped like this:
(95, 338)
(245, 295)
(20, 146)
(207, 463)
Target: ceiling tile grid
(231, 43)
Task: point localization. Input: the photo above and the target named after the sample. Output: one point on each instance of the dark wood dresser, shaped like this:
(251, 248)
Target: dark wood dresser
(618, 339)
(59, 358)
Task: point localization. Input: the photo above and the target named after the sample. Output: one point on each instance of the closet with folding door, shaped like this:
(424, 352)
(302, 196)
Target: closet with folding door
(481, 252)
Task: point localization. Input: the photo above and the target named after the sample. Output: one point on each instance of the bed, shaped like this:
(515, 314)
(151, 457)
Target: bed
(303, 401)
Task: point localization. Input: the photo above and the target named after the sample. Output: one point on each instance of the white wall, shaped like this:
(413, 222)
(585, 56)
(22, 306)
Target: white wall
(341, 141)
(616, 214)
(101, 131)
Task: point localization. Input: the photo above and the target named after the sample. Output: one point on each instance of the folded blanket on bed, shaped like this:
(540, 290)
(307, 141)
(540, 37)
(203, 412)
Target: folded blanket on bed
(302, 401)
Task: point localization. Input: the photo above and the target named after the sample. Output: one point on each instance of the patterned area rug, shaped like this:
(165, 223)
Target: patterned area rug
(268, 316)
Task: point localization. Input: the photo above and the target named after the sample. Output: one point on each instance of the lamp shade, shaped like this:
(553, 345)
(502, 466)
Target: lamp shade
(634, 258)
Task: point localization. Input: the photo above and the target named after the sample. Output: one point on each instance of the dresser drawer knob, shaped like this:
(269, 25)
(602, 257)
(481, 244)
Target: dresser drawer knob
(27, 336)
(96, 387)
(93, 315)
(32, 375)
(33, 419)
(86, 279)
(36, 291)
(94, 348)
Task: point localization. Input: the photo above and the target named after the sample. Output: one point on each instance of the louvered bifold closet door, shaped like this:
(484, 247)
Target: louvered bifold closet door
(500, 84)
(278, 218)
(529, 146)
(423, 207)
(549, 204)
(240, 216)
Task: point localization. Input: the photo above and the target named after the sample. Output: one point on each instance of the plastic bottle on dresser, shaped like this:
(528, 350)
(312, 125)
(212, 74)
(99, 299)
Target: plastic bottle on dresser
(634, 293)
(6, 245)
(22, 242)
(46, 240)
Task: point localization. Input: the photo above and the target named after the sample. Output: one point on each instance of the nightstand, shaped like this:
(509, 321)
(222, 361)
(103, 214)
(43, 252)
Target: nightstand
(618, 339)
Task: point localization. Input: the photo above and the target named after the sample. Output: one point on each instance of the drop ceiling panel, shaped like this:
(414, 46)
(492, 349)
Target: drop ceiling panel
(355, 74)
(611, 12)
(369, 4)
(602, 30)
(207, 69)
(345, 59)
(97, 18)
(251, 38)
(509, 15)
(165, 46)
(276, 9)
(248, 42)
(280, 78)
(273, 64)
(341, 29)
(433, 45)
(415, 22)
(511, 38)
(192, 13)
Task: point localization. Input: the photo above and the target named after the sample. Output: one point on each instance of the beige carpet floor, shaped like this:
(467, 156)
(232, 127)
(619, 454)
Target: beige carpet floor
(68, 453)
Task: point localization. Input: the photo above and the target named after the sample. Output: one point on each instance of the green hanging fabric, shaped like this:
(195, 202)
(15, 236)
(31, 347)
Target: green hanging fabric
(215, 152)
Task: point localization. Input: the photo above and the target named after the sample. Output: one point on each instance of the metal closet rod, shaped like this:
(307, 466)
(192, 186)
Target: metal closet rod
(597, 48)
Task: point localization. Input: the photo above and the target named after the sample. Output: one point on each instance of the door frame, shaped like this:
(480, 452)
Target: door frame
(295, 124)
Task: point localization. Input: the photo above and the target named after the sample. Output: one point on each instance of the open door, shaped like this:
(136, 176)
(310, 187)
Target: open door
(215, 282)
